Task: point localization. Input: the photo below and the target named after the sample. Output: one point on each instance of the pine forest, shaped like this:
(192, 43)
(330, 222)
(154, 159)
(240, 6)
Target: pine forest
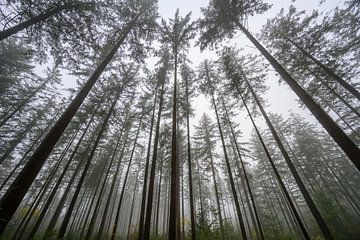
(179, 120)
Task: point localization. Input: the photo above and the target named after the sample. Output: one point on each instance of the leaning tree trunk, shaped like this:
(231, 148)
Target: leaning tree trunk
(316, 213)
(67, 190)
(112, 187)
(100, 196)
(59, 180)
(26, 219)
(13, 197)
(37, 19)
(87, 165)
(216, 190)
(191, 196)
(174, 223)
(231, 178)
(261, 233)
(134, 198)
(328, 71)
(144, 190)
(350, 148)
(278, 177)
(116, 222)
(153, 167)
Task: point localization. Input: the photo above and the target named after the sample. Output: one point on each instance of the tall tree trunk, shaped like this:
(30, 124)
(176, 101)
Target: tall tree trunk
(133, 198)
(328, 71)
(63, 198)
(153, 167)
(351, 150)
(47, 184)
(39, 18)
(231, 178)
(87, 165)
(144, 190)
(191, 196)
(158, 202)
(24, 157)
(217, 196)
(85, 217)
(116, 222)
(100, 195)
(112, 187)
(13, 197)
(278, 177)
(174, 223)
(59, 180)
(315, 212)
(260, 232)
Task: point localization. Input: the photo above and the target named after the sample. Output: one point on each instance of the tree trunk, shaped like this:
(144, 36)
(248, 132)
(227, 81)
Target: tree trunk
(231, 179)
(133, 200)
(63, 198)
(111, 191)
(101, 195)
(351, 150)
(158, 202)
(87, 165)
(174, 226)
(23, 158)
(26, 219)
(59, 180)
(191, 196)
(281, 183)
(37, 19)
(144, 190)
(315, 212)
(13, 197)
(114, 228)
(153, 167)
(260, 232)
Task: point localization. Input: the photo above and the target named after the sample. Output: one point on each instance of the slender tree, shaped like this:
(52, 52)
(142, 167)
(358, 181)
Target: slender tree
(177, 33)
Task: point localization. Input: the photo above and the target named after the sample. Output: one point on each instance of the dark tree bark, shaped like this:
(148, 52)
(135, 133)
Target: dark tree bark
(39, 18)
(231, 178)
(192, 208)
(63, 198)
(13, 197)
(22, 226)
(112, 187)
(174, 223)
(278, 177)
(59, 180)
(144, 190)
(261, 233)
(87, 165)
(153, 166)
(315, 212)
(133, 200)
(116, 222)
